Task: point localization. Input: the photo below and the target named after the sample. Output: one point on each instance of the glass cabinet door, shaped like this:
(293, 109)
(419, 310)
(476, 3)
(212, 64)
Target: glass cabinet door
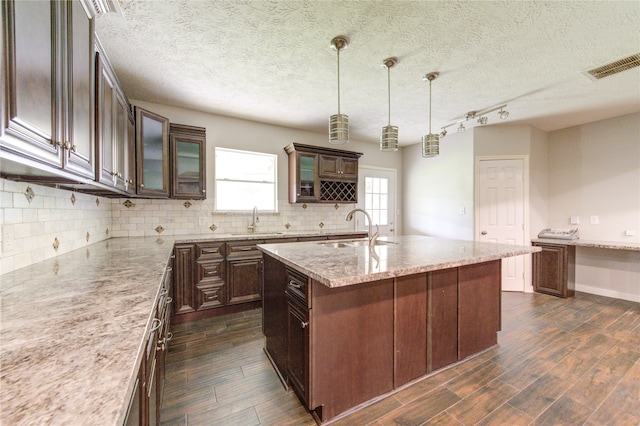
(188, 163)
(152, 147)
(307, 177)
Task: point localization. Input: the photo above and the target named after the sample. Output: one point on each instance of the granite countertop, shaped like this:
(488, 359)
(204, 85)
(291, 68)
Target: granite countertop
(614, 245)
(341, 266)
(72, 328)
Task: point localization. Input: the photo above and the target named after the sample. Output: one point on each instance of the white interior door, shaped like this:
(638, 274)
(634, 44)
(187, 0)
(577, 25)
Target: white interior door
(501, 213)
(376, 194)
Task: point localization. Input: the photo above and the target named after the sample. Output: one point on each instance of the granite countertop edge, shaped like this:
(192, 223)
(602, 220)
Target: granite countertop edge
(613, 245)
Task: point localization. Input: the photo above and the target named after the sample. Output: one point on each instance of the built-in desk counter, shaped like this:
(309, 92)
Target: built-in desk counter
(554, 268)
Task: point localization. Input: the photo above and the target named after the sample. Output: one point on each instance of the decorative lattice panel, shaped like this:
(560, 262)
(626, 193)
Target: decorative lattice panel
(338, 191)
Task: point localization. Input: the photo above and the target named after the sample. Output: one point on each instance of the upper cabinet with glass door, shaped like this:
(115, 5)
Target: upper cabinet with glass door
(152, 154)
(187, 147)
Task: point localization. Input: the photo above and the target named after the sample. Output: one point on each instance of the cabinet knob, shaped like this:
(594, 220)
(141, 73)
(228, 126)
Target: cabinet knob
(304, 324)
(204, 191)
(142, 185)
(483, 233)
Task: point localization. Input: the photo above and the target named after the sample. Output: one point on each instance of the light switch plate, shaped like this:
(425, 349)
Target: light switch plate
(629, 232)
(575, 220)
(594, 220)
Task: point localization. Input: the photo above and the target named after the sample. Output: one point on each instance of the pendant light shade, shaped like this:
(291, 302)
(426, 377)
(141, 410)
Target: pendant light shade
(339, 123)
(430, 142)
(389, 133)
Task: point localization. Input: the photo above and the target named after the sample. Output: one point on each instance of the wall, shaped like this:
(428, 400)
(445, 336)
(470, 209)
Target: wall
(175, 219)
(438, 188)
(594, 170)
(30, 228)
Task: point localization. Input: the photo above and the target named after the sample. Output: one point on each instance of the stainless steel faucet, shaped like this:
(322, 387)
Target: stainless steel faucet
(372, 237)
(254, 226)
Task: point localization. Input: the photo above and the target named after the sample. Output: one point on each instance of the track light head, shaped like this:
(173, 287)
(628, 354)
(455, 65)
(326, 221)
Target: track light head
(461, 128)
(483, 120)
(503, 114)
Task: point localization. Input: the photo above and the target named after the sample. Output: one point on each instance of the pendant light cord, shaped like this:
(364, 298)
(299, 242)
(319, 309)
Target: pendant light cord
(430, 105)
(389, 92)
(338, 81)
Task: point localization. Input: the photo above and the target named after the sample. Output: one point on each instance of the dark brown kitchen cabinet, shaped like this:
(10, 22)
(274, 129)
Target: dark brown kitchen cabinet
(184, 278)
(298, 349)
(47, 118)
(152, 154)
(188, 162)
(114, 144)
(554, 269)
(322, 175)
(145, 403)
(338, 167)
(210, 287)
(244, 272)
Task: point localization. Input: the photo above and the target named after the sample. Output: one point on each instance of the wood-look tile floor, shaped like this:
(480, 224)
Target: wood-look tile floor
(559, 361)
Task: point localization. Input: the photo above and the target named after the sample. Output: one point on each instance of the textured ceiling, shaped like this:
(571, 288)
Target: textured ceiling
(271, 61)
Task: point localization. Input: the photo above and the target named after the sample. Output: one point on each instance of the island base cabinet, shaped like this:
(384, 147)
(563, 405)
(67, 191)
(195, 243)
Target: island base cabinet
(345, 346)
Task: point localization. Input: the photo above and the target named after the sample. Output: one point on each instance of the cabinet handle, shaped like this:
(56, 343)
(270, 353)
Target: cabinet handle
(169, 269)
(483, 233)
(119, 175)
(164, 292)
(74, 148)
(304, 324)
(142, 185)
(295, 285)
(156, 325)
(168, 301)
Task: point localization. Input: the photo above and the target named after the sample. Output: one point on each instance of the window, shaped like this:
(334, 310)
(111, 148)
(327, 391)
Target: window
(245, 180)
(376, 199)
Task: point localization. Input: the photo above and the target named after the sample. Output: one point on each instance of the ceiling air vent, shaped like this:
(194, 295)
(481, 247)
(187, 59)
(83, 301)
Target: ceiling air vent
(614, 67)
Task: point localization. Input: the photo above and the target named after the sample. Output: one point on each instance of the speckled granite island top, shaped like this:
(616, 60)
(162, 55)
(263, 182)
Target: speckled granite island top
(337, 266)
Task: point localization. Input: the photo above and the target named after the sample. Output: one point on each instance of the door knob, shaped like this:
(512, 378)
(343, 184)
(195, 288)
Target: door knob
(483, 233)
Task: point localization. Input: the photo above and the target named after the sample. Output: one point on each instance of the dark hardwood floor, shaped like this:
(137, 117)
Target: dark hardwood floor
(559, 362)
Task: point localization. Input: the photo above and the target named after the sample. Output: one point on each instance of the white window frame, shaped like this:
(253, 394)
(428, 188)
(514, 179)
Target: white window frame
(274, 182)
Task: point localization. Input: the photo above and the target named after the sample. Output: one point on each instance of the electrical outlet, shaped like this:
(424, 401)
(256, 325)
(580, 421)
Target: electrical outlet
(202, 221)
(463, 210)
(594, 220)
(629, 232)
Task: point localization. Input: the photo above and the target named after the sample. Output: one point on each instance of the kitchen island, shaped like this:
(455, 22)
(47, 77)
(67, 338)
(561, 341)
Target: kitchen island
(346, 324)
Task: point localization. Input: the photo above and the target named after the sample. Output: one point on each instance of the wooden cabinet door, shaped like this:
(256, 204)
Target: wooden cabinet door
(48, 108)
(105, 99)
(33, 76)
(188, 162)
(134, 413)
(479, 305)
(152, 154)
(245, 280)
(329, 166)
(554, 270)
(349, 168)
(184, 279)
(79, 122)
(298, 350)
(442, 318)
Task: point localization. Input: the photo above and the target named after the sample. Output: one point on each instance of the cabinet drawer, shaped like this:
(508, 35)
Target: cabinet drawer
(297, 287)
(243, 249)
(209, 250)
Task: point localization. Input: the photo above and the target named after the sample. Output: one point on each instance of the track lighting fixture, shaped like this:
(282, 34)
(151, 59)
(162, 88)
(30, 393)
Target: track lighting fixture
(389, 133)
(339, 123)
(480, 116)
(430, 142)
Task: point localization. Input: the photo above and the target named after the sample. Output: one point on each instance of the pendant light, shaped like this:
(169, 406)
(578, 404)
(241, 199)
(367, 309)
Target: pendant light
(389, 133)
(430, 142)
(339, 123)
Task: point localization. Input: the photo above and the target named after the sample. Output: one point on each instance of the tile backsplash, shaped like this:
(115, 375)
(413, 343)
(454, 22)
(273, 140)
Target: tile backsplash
(39, 222)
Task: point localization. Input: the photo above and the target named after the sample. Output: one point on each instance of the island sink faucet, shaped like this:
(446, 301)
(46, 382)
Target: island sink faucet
(372, 237)
(254, 225)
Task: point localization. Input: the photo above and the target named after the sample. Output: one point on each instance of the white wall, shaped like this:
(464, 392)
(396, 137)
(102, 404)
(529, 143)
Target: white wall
(436, 189)
(594, 170)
